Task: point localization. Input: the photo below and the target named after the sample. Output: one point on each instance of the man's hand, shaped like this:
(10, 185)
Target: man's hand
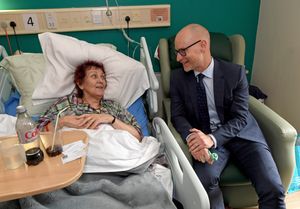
(199, 143)
(197, 139)
(203, 156)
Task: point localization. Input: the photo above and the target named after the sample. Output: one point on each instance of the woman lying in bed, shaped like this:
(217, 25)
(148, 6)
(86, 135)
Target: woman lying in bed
(86, 107)
(119, 171)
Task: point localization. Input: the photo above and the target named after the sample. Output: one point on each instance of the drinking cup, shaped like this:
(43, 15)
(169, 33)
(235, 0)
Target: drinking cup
(52, 142)
(12, 153)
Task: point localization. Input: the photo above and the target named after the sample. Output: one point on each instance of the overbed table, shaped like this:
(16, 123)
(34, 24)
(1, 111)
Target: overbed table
(50, 174)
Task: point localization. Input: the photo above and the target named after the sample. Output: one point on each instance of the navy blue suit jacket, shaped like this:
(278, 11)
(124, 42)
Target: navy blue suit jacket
(231, 100)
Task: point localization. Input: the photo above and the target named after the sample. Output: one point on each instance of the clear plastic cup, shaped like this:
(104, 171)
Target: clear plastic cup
(52, 142)
(12, 153)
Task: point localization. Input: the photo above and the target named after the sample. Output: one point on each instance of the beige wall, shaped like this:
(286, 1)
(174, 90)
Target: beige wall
(276, 67)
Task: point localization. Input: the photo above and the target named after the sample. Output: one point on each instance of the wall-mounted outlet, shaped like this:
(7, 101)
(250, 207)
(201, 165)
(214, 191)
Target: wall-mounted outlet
(159, 18)
(121, 16)
(4, 25)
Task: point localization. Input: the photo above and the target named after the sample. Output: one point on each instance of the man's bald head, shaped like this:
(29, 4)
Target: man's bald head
(192, 44)
(193, 31)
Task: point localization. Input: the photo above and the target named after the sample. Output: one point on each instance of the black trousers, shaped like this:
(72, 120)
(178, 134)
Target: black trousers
(255, 161)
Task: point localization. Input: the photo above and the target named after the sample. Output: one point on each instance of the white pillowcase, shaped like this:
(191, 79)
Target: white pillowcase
(126, 78)
(26, 70)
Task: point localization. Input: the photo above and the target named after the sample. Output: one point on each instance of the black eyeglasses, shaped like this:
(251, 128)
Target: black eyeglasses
(182, 51)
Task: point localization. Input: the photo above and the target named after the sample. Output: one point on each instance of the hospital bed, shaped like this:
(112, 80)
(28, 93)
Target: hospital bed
(187, 188)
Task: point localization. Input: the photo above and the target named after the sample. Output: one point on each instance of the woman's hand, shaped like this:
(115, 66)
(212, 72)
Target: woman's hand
(92, 121)
(71, 121)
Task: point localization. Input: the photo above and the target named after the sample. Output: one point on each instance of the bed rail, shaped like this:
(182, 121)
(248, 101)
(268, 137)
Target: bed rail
(187, 187)
(3, 52)
(152, 92)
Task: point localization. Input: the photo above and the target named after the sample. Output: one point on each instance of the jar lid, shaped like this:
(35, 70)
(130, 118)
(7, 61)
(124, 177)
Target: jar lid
(21, 109)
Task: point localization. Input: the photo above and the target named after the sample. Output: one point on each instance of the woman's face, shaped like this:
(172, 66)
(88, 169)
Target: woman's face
(94, 83)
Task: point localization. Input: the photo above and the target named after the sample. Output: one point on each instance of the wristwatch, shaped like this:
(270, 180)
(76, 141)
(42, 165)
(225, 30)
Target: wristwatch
(112, 122)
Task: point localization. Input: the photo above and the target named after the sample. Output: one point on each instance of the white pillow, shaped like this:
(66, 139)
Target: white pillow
(126, 78)
(26, 70)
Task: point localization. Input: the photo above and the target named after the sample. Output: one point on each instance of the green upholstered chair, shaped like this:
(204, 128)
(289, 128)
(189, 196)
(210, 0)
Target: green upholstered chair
(237, 189)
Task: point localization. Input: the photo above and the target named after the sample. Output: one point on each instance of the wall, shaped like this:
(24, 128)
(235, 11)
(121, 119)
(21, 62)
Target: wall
(276, 63)
(230, 17)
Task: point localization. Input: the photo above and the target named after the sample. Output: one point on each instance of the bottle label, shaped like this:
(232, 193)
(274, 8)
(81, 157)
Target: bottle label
(29, 135)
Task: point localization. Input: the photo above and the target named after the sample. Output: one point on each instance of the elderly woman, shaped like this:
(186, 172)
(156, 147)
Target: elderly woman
(86, 106)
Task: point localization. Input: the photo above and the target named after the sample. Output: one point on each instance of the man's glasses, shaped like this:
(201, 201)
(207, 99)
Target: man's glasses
(182, 51)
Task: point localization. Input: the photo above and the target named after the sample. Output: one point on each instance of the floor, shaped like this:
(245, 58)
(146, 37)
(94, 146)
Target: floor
(292, 201)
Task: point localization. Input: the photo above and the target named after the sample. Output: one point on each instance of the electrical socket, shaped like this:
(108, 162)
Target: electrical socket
(127, 18)
(4, 24)
(13, 24)
(134, 16)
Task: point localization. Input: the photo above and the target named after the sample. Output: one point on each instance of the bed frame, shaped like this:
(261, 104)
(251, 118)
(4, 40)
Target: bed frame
(3, 52)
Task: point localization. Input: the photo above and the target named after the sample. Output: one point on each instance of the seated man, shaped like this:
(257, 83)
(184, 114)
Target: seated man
(209, 108)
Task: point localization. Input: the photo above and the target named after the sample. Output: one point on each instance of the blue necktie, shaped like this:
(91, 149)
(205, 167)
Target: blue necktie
(202, 105)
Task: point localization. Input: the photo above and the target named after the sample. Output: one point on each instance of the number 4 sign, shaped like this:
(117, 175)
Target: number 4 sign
(31, 22)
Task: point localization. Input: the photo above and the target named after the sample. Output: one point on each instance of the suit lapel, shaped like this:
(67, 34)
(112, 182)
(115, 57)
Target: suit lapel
(219, 87)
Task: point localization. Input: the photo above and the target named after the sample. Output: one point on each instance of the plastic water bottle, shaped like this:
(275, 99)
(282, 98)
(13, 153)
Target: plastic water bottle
(29, 137)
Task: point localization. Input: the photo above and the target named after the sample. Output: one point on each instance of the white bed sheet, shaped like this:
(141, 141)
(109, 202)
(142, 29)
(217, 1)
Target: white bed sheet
(112, 150)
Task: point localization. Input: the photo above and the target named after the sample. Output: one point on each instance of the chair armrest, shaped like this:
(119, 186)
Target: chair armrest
(188, 188)
(280, 135)
(183, 146)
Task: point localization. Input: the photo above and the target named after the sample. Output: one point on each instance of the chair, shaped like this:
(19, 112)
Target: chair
(237, 189)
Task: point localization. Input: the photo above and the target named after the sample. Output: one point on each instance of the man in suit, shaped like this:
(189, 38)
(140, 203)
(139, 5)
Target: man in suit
(222, 122)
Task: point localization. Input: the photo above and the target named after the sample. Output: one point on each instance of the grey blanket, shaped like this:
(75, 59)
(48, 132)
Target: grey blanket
(101, 191)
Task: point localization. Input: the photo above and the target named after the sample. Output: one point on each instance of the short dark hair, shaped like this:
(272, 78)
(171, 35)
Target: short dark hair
(80, 73)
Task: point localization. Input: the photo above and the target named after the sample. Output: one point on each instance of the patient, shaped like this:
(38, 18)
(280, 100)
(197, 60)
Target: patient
(86, 108)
